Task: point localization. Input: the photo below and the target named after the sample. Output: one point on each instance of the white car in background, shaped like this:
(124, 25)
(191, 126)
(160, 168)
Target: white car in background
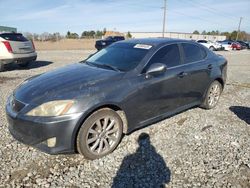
(14, 47)
(227, 45)
(211, 45)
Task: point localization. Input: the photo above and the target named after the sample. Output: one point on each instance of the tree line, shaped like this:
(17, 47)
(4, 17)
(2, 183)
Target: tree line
(69, 35)
(86, 34)
(230, 35)
(98, 34)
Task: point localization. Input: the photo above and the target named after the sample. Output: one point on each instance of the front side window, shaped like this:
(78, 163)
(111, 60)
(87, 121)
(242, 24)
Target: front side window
(192, 53)
(168, 55)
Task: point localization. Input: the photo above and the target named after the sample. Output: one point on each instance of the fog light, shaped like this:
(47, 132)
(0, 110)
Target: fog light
(51, 142)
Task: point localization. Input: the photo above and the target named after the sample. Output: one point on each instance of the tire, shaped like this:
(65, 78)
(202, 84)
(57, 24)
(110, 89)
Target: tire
(24, 64)
(213, 95)
(212, 48)
(96, 138)
(1, 66)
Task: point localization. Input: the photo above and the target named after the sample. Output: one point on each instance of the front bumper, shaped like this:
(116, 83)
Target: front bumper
(35, 131)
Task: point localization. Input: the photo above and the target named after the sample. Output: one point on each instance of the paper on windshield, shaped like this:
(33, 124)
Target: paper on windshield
(143, 46)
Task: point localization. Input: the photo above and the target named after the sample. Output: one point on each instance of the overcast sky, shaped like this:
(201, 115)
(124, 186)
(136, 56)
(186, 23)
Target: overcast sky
(38, 16)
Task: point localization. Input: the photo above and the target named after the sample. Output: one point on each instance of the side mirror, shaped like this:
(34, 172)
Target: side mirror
(156, 69)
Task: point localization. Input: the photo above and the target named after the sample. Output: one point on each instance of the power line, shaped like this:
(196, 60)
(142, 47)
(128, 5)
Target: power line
(211, 10)
(194, 17)
(217, 11)
(207, 8)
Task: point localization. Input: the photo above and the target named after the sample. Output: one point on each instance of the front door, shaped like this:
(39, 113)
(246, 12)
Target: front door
(157, 95)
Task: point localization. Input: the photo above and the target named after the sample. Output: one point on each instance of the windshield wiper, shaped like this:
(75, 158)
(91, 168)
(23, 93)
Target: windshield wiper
(110, 67)
(102, 65)
(89, 63)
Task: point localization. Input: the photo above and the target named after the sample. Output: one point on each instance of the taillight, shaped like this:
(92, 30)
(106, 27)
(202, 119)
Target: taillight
(8, 46)
(33, 45)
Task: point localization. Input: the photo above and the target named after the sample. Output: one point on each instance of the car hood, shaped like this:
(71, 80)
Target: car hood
(64, 83)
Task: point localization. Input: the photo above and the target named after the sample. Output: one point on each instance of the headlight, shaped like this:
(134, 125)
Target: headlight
(103, 43)
(52, 108)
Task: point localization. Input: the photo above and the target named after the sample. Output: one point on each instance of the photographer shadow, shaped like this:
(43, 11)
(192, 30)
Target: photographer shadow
(145, 168)
(242, 112)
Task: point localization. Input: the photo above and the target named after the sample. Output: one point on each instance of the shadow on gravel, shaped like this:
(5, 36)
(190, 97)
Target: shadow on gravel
(32, 65)
(145, 168)
(242, 112)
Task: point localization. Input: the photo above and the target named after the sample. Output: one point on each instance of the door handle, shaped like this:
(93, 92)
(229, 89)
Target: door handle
(182, 74)
(210, 66)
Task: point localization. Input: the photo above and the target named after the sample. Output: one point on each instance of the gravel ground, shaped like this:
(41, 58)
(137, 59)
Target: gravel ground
(197, 148)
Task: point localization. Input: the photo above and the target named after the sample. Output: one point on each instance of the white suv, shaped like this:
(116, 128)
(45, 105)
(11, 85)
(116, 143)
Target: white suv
(14, 47)
(211, 45)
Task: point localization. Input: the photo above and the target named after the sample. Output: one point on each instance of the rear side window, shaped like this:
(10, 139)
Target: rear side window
(13, 37)
(193, 53)
(203, 53)
(168, 55)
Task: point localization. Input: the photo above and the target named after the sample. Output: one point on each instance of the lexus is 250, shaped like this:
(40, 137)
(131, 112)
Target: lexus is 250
(86, 107)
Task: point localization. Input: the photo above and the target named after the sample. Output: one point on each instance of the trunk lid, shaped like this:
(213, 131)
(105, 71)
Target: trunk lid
(21, 47)
(18, 43)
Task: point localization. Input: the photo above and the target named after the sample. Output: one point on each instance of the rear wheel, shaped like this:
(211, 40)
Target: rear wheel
(213, 95)
(100, 134)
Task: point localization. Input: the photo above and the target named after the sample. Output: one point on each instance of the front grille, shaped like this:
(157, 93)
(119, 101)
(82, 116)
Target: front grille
(16, 105)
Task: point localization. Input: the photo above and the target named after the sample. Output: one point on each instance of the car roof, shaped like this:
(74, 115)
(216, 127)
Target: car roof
(153, 41)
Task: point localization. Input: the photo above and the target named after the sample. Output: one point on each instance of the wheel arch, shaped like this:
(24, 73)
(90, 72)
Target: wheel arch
(212, 47)
(111, 106)
(220, 80)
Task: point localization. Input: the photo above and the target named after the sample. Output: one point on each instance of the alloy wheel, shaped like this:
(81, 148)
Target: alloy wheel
(103, 135)
(214, 95)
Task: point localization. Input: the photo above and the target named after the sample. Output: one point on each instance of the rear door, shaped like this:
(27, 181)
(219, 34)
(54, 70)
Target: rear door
(196, 73)
(18, 43)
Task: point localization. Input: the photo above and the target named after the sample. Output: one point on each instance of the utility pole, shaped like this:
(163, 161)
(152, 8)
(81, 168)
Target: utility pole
(238, 29)
(164, 18)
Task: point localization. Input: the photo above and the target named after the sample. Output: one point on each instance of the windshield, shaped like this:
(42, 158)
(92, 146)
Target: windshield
(122, 57)
(109, 38)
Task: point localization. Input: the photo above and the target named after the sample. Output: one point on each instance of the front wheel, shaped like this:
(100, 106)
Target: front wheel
(100, 134)
(213, 95)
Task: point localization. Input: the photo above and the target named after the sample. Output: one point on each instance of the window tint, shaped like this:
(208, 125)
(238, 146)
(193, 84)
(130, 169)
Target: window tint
(13, 37)
(168, 55)
(123, 56)
(193, 53)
